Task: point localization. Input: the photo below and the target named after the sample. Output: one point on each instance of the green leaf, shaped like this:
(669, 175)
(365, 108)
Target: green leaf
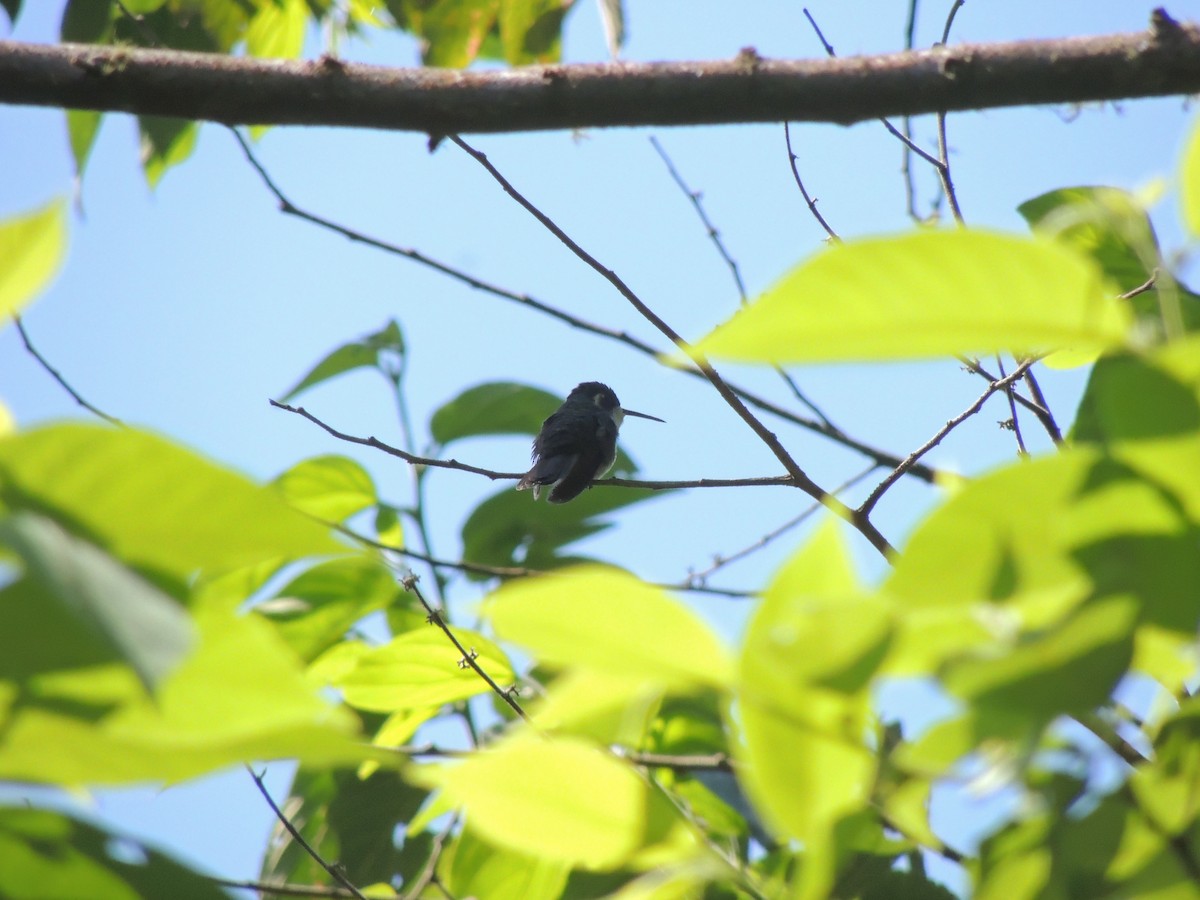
(33, 246)
(366, 352)
(606, 707)
(1069, 670)
(332, 487)
(239, 696)
(165, 142)
(316, 610)
(82, 127)
(927, 294)
(55, 856)
(150, 503)
(511, 529)
(805, 765)
(86, 21)
(277, 29)
(1166, 789)
(531, 30)
(452, 32)
(498, 407)
(472, 867)
(1189, 182)
(1130, 398)
(562, 800)
(421, 669)
(139, 624)
(343, 817)
(13, 8)
(1107, 224)
(609, 620)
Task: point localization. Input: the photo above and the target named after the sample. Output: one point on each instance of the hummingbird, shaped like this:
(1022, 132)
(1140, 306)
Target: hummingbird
(577, 443)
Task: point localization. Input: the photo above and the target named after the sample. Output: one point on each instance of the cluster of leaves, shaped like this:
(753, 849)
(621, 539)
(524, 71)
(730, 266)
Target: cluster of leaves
(1029, 597)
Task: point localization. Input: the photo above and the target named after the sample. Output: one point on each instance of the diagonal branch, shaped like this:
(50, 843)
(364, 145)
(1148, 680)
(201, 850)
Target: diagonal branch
(236, 90)
(799, 478)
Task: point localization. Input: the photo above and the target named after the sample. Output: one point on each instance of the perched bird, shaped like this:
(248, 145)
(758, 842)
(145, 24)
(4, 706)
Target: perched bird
(578, 443)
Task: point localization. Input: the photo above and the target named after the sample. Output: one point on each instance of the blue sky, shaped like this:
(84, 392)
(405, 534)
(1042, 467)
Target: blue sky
(184, 309)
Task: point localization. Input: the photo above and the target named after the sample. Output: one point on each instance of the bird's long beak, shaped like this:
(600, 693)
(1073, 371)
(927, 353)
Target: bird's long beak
(630, 412)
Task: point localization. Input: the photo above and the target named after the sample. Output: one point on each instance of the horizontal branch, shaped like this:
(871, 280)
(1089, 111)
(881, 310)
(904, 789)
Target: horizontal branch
(236, 90)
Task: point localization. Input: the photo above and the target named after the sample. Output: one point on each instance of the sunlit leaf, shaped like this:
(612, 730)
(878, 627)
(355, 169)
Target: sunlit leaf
(151, 503)
(127, 615)
(927, 294)
(452, 32)
(421, 669)
(277, 29)
(498, 407)
(531, 30)
(1189, 182)
(1107, 224)
(472, 867)
(166, 142)
(1167, 789)
(32, 246)
(367, 352)
(51, 855)
(316, 609)
(609, 620)
(239, 696)
(805, 765)
(562, 800)
(330, 487)
(1069, 670)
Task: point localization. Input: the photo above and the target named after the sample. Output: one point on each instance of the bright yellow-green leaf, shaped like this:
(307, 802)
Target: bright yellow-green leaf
(803, 694)
(472, 867)
(32, 246)
(611, 708)
(422, 668)
(239, 696)
(277, 29)
(1166, 789)
(151, 503)
(1189, 182)
(329, 487)
(563, 800)
(907, 809)
(927, 294)
(605, 619)
(7, 423)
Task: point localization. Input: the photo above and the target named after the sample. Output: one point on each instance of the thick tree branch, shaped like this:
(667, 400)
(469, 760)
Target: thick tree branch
(235, 90)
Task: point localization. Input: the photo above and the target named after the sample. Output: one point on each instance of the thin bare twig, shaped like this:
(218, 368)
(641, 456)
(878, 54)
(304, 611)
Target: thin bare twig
(894, 475)
(812, 204)
(335, 872)
(800, 479)
(1146, 285)
(468, 656)
(289, 208)
(1012, 409)
(715, 236)
(910, 190)
(57, 376)
(428, 874)
(895, 132)
(943, 168)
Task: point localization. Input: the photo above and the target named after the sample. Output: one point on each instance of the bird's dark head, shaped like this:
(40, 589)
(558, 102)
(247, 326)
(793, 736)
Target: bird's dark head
(593, 393)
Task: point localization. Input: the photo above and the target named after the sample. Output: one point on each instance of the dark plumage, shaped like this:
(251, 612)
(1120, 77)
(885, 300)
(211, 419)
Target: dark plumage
(577, 443)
